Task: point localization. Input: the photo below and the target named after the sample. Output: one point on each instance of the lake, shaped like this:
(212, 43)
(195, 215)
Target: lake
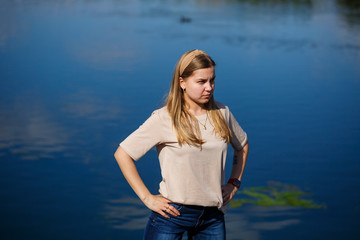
(77, 77)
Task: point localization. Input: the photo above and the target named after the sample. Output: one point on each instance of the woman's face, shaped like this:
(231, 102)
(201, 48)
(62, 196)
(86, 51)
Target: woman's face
(199, 86)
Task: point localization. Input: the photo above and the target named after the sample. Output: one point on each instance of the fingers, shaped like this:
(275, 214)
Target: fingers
(226, 199)
(162, 213)
(168, 210)
(227, 193)
(173, 211)
(165, 209)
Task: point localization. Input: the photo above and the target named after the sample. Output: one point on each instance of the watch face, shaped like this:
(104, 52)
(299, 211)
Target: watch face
(237, 182)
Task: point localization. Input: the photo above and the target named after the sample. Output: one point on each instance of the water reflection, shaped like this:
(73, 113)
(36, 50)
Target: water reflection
(274, 9)
(32, 130)
(307, 3)
(108, 54)
(350, 11)
(86, 105)
(29, 132)
(250, 223)
(8, 25)
(126, 213)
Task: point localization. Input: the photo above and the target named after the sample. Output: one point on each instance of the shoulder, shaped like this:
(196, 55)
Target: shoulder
(223, 108)
(161, 113)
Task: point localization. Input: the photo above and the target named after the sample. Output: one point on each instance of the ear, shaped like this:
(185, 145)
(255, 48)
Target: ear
(182, 83)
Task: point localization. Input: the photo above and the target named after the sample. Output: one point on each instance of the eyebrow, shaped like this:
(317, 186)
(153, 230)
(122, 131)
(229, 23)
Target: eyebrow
(200, 78)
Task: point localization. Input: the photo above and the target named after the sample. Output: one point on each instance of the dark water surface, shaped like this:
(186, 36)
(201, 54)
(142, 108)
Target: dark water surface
(76, 77)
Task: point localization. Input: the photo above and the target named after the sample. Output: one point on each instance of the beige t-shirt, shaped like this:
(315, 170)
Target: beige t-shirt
(190, 175)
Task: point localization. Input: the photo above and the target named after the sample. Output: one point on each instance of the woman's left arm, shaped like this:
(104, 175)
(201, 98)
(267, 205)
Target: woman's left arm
(239, 162)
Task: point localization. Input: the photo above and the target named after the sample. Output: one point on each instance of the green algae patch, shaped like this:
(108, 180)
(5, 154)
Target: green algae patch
(275, 194)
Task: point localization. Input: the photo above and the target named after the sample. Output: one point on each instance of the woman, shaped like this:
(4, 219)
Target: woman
(191, 134)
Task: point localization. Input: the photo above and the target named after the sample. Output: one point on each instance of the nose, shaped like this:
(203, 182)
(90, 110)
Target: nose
(209, 86)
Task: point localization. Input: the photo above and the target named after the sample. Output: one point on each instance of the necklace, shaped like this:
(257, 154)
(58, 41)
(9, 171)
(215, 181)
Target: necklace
(204, 125)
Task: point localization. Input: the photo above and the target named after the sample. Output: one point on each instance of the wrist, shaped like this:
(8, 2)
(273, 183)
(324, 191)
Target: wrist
(235, 182)
(146, 198)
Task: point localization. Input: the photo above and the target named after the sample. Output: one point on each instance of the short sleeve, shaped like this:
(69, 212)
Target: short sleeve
(238, 136)
(144, 138)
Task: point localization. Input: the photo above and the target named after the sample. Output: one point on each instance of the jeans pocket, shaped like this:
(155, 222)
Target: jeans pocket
(153, 217)
(164, 225)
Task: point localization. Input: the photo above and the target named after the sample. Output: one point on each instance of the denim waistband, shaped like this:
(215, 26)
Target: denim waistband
(197, 207)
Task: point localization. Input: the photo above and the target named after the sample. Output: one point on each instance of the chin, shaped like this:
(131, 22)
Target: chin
(204, 101)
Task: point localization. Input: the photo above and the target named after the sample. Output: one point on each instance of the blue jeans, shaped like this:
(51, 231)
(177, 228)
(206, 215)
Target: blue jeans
(205, 223)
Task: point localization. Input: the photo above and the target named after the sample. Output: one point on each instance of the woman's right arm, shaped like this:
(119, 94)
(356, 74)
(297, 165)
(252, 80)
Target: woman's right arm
(157, 203)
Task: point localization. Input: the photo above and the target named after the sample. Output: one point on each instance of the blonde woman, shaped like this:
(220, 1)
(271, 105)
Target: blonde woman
(191, 134)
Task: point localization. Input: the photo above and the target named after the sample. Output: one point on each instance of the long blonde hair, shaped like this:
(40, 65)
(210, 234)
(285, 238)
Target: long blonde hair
(185, 124)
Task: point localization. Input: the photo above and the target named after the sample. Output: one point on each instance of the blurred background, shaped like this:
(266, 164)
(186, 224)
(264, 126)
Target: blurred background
(77, 77)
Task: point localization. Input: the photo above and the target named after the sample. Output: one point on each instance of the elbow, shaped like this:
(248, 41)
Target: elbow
(117, 154)
(246, 147)
(121, 156)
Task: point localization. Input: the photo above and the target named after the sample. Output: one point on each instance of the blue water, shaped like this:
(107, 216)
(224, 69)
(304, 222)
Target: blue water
(76, 77)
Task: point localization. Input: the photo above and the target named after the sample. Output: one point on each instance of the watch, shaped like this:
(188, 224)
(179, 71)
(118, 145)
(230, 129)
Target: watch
(234, 181)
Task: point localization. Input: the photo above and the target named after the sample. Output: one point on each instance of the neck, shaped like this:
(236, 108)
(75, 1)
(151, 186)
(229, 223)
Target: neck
(196, 109)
